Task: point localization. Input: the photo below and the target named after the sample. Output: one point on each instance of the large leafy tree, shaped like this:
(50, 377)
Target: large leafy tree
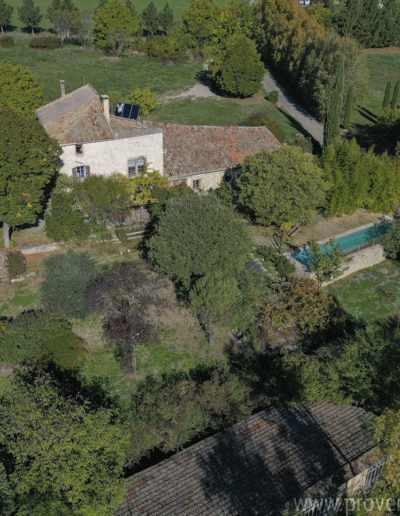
(280, 187)
(296, 303)
(6, 11)
(19, 88)
(202, 246)
(200, 20)
(237, 68)
(387, 435)
(63, 14)
(391, 242)
(29, 160)
(67, 457)
(115, 27)
(30, 15)
(327, 260)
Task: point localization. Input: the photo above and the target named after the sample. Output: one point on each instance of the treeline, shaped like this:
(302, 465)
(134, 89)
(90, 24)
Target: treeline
(305, 54)
(370, 22)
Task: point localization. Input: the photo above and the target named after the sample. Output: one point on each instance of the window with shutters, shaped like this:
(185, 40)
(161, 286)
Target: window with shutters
(196, 184)
(78, 148)
(136, 166)
(81, 171)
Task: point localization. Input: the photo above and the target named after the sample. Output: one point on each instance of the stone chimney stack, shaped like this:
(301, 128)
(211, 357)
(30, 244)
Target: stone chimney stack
(105, 101)
(62, 86)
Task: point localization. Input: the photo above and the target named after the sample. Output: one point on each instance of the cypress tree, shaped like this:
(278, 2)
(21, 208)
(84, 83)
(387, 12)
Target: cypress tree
(334, 114)
(348, 108)
(388, 94)
(166, 18)
(150, 18)
(395, 98)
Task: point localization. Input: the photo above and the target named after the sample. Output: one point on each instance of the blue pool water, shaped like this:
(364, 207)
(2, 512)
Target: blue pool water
(350, 242)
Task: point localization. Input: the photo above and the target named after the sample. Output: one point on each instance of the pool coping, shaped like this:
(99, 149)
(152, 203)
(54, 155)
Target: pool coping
(302, 270)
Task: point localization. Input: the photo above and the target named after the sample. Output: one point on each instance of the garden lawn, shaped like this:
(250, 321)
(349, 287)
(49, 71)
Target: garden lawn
(382, 68)
(90, 6)
(105, 74)
(370, 294)
(221, 111)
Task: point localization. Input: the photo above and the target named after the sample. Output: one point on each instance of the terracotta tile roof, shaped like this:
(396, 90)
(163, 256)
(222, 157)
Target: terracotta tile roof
(76, 118)
(190, 149)
(256, 466)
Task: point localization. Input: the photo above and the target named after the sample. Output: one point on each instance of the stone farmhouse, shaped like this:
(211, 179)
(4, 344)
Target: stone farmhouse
(95, 142)
(280, 459)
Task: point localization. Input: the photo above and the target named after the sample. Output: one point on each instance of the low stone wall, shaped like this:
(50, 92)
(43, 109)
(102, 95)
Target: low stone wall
(41, 248)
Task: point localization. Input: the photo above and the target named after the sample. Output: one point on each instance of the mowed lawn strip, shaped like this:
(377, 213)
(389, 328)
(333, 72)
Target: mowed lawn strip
(381, 68)
(105, 74)
(370, 294)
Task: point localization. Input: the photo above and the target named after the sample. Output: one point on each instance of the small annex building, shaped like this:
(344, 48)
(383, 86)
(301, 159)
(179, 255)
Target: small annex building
(262, 465)
(95, 142)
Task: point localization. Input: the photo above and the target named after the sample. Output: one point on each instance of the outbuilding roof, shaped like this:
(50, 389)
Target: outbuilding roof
(76, 117)
(256, 466)
(192, 149)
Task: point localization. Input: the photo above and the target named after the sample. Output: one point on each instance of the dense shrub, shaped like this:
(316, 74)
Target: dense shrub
(273, 96)
(66, 280)
(63, 221)
(36, 335)
(44, 42)
(16, 264)
(237, 68)
(7, 42)
(283, 266)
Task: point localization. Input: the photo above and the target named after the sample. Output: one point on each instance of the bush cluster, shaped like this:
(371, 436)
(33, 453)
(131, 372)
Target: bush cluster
(16, 264)
(44, 42)
(283, 266)
(7, 42)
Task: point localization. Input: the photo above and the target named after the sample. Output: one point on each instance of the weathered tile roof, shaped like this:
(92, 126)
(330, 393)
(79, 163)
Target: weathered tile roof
(256, 466)
(76, 118)
(190, 149)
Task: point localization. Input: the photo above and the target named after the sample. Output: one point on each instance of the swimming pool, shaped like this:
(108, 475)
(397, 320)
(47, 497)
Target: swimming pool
(348, 243)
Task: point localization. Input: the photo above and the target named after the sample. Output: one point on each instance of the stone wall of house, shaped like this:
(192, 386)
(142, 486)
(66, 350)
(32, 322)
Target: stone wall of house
(111, 156)
(208, 180)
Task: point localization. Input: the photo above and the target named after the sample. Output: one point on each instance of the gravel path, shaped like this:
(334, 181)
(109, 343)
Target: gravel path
(307, 121)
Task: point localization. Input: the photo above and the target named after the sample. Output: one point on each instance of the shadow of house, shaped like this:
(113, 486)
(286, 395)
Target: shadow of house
(258, 466)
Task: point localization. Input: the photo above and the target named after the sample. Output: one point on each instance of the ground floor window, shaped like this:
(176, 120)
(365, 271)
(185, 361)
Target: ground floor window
(136, 166)
(81, 171)
(196, 184)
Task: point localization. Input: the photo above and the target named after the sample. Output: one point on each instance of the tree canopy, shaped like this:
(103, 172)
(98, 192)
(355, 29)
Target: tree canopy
(29, 163)
(19, 88)
(30, 14)
(237, 68)
(282, 186)
(6, 12)
(114, 27)
(73, 460)
(202, 246)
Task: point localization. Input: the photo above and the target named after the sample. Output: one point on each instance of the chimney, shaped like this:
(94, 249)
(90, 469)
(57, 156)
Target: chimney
(105, 101)
(62, 86)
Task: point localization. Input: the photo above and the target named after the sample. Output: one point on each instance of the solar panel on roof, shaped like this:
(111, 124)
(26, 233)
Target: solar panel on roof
(124, 110)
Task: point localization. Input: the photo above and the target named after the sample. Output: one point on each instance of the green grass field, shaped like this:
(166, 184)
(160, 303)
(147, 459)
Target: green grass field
(382, 68)
(90, 6)
(370, 294)
(106, 74)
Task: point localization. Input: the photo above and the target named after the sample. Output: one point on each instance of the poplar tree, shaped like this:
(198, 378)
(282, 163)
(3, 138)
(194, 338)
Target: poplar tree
(395, 98)
(388, 94)
(334, 114)
(6, 11)
(348, 108)
(166, 18)
(30, 15)
(150, 18)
